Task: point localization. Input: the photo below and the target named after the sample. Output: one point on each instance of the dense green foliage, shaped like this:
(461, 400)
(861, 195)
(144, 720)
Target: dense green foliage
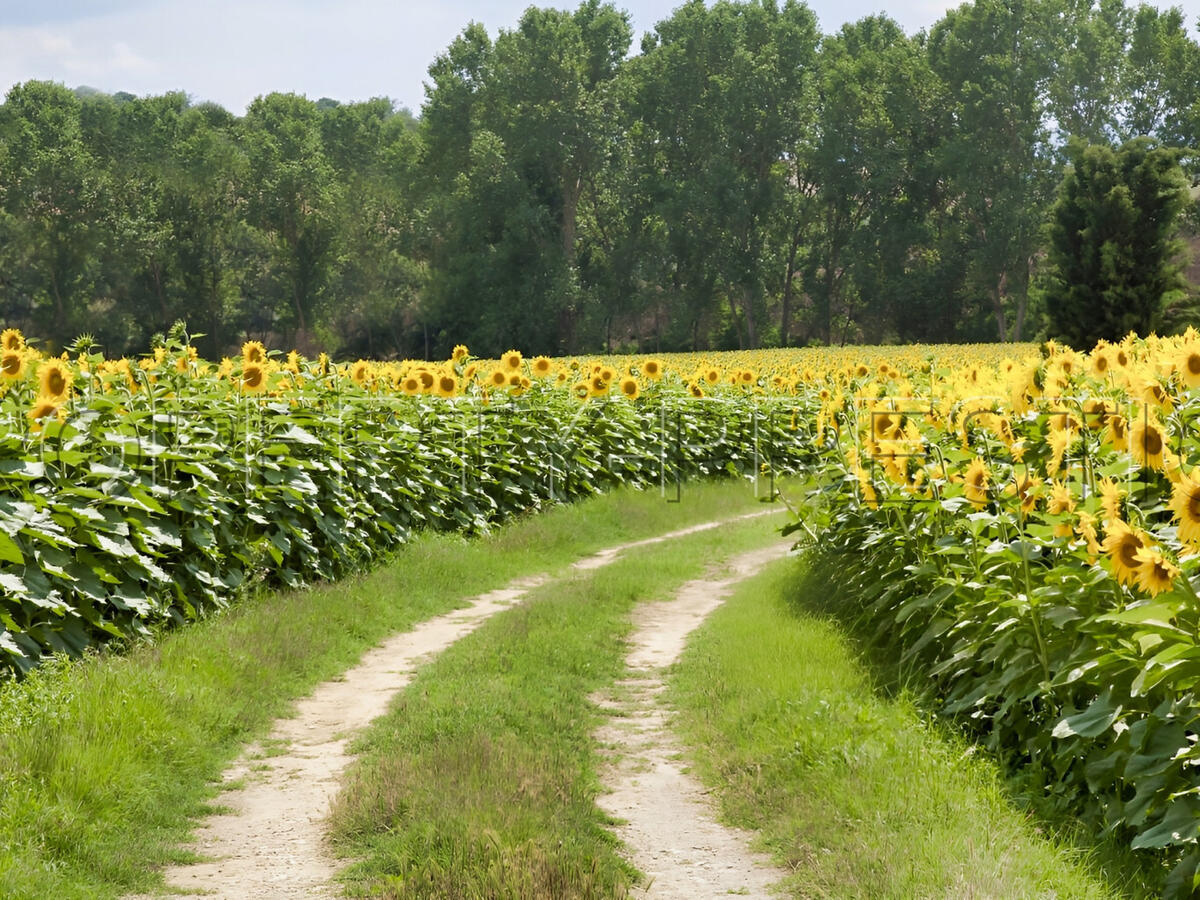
(1112, 242)
(144, 506)
(742, 181)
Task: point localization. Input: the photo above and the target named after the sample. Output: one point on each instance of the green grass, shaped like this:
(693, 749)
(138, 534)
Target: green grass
(105, 763)
(852, 789)
(481, 781)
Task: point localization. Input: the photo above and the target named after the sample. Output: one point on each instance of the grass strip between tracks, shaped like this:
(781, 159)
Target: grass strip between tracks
(481, 781)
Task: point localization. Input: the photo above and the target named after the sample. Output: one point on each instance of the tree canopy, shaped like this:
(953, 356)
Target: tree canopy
(739, 180)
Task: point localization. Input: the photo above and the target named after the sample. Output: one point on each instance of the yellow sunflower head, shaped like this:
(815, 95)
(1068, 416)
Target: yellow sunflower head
(459, 353)
(360, 372)
(652, 369)
(45, 408)
(498, 378)
(447, 385)
(712, 376)
(582, 390)
(12, 364)
(55, 378)
(1121, 544)
(1147, 441)
(411, 385)
(1156, 573)
(542, 366)
(1185, 504)
(975, 482)
(254, 378)
(598, 385)
(1188, 366)
(695, 389)
(629, 388)
(11, 339)
(254, 352)
(512, 359)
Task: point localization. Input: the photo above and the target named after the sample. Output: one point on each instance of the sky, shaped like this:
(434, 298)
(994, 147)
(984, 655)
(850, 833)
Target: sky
(231, 51)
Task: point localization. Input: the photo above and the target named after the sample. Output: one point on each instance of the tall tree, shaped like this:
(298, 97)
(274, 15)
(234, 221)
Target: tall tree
(1113, 243)
(53, 198)
(724, 94)
(996, 58)
(292, 200)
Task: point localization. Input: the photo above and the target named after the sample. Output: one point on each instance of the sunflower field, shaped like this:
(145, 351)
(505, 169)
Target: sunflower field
(141, 492)
(1018, 526)
(1024, 537)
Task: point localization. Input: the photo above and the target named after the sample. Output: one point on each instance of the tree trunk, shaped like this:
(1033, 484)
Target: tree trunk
(998, 306)
(748, 310)
(572, 188)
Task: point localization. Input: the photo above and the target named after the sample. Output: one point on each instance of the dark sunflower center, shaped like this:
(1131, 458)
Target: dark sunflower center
(11, 364)
(1129, 547)
(1152, 442)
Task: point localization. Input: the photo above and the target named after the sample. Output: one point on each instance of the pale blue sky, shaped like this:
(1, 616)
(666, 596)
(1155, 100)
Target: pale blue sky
(230, 51)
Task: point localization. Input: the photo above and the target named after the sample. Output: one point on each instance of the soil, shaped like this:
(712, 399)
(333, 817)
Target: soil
(669, 825)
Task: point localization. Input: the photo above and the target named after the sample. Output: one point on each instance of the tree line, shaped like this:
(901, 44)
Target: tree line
(741, 181)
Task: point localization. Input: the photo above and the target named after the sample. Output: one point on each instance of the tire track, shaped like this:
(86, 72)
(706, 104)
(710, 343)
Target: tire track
(668, 823)
(270, 844)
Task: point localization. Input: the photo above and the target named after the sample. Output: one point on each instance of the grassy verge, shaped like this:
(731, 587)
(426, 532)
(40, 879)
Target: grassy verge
(852, 789)
(481, 781)
(104, 763)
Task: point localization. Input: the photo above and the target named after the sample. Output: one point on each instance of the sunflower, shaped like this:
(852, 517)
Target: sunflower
(975, 482)
(459, 353)
(55, 378)
(1086, 529)
(360, 372)
(652, 369)
(542, 366)
(469, 372)
(12, 339)
(712, 376)
(1156, 573)
(512, 359)
(747, 377)
(1061, 499)
(1122, 544)
(12, 364)
(1185, 503)
(1188, 366)
(411, 385)
(254, 352)
(1059, 441)
(582, 390)
(426, 379)
(608, 373)
(498, 378)
(598, 386)
(447, 385)
(886, 425)
(1100, 361)
(695, 389)
(254, 378)
(629, 388)
(45, 407)
(1147, 441)
(1110, 499)
(323, 364)
(1116, 433)
(515, 380)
